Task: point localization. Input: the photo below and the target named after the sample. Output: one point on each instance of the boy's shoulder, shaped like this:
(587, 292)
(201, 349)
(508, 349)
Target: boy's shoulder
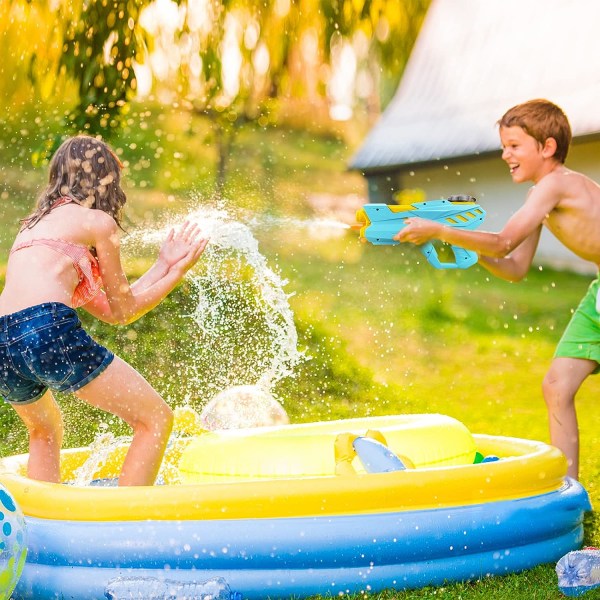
(564, 179)
(566, 191)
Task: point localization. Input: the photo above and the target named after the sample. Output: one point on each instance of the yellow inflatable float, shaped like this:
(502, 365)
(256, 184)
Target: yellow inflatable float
(293, 510)
(307, 450)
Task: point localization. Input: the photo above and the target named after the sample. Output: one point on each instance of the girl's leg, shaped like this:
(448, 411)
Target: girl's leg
(122, 391)
(560, 385)
(43, 420)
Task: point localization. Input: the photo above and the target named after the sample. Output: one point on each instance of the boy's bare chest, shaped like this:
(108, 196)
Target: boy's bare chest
(577, 229)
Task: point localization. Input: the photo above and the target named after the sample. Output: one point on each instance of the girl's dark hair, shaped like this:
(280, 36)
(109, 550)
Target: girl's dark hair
(88, 171)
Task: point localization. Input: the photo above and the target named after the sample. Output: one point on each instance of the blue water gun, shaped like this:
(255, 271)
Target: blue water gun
(379, 223)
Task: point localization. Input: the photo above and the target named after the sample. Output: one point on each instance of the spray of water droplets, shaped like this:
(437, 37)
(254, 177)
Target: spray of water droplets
(244, 326)
(243, 331)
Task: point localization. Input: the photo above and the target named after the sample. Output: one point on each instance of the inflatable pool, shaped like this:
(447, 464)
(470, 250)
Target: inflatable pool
(264, 510)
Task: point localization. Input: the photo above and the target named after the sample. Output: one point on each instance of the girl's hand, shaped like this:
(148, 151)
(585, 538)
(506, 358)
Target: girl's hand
(188, 260)
(418, 231)
(181, 245)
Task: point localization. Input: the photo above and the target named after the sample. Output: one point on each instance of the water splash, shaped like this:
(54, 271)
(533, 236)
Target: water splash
(107, 452)
(316, 228)
(102, 448)
(245, 332)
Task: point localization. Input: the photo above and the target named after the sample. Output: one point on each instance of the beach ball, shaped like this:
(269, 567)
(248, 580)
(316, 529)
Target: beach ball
(243, 406)
(13, 543)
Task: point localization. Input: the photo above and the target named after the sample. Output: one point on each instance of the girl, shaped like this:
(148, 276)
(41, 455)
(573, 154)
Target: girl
(66, 256)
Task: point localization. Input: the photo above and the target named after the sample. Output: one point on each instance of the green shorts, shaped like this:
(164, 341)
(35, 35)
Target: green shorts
(581, 338)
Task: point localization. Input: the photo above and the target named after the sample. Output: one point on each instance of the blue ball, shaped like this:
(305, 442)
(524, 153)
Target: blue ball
(13, 543)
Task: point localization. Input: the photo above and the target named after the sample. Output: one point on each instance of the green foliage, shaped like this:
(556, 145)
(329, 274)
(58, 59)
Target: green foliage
(101, 41)
(232, 62)
(331, 383)
(538, 583)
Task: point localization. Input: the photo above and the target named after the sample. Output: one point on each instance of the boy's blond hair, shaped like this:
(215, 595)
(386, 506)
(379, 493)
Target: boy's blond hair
(541, 119)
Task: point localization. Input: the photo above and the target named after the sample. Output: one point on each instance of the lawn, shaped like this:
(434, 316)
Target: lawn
(383, 332)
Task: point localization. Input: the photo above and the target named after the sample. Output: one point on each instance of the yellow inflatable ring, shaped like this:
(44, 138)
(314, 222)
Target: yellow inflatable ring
(527, 468)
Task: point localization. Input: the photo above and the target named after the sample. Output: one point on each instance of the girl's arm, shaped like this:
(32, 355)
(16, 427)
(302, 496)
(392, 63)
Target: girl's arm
(122, 303)
(173, 249)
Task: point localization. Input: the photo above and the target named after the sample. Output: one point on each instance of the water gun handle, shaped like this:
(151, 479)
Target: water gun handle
(462, 258)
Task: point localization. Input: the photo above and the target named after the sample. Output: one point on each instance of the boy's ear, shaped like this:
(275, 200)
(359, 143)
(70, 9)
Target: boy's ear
(549, 148)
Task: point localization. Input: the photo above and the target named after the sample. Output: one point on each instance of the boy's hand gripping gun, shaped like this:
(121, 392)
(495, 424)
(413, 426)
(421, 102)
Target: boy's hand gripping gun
(379, 223)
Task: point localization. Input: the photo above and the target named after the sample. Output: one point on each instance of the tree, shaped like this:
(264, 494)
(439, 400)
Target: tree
(81, 49)
(236, 61)
(101, 41)
(231, 61)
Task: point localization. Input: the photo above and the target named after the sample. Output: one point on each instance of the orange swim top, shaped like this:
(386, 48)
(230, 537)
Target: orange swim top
(85, 263)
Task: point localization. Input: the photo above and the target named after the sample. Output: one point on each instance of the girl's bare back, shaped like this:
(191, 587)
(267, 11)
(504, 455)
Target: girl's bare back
(39, 273)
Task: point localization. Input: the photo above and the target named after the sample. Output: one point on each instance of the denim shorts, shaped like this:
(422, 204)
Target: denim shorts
(45, 346)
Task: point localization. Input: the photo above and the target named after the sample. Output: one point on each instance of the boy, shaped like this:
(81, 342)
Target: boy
(535, 140)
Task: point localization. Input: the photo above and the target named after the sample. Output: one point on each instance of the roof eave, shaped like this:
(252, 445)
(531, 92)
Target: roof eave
(419, 164)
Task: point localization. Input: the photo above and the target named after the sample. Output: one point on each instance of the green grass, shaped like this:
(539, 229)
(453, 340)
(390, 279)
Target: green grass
(385, 332)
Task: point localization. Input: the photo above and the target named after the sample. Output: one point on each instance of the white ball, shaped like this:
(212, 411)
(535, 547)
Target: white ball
(241, 407)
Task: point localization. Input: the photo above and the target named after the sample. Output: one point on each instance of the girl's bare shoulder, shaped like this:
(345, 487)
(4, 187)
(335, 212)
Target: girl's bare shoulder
(78, 224)
(100, 226)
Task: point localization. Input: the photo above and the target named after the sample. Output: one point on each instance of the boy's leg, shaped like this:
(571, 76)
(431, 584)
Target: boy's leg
(122, 391)
(43, 420)
(560, 386)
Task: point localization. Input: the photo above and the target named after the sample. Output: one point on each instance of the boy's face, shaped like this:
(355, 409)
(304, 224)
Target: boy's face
(522, 153)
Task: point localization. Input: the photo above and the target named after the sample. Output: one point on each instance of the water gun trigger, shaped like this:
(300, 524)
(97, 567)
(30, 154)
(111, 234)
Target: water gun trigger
(361, 224)
(463, 259)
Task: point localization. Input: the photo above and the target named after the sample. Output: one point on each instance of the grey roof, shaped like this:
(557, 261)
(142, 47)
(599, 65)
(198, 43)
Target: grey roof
(473, 60)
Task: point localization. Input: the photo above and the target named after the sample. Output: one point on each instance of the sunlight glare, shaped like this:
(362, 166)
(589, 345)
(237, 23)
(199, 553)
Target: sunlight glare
(231, 57)
(111, 40)
(200, 16)
(340, 88)
(282, 8)
(261, 59)
(143, 75)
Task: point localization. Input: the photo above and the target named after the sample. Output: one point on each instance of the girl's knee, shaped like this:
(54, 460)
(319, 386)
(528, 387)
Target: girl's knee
(48, 428)
(51, 434)
(158, 420)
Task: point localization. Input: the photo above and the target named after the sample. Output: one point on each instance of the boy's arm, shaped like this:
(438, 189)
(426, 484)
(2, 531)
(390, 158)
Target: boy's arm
(514, 266)
(522, 229)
